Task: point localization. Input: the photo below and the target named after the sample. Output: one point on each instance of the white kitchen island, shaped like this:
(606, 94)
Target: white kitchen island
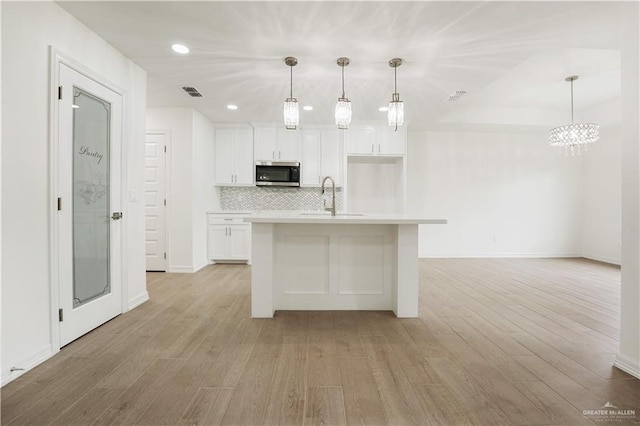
(315, 261)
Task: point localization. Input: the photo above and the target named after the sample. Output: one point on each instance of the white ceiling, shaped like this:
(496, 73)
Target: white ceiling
(511, 57)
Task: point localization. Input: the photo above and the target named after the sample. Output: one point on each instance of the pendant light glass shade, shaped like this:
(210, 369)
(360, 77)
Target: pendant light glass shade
(574, 137)
(343, 113)
(343, 107)
(395, 113)
(291, 111)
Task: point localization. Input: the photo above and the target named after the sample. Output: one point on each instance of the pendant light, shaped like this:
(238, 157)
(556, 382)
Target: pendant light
(343, 107)
(395, 113)
(291, 112)
(573, 136)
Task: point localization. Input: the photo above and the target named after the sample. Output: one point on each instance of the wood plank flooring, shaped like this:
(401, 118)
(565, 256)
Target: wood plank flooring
(498, 341)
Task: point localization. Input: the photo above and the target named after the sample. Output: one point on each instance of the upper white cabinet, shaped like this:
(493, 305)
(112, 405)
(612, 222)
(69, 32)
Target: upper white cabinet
(374, 141)
(277, 144)
(391, 142)
(321, 156)
(234, 156)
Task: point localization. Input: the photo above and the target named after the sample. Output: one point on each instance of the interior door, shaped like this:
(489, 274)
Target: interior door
(89, 221)
(155, 201)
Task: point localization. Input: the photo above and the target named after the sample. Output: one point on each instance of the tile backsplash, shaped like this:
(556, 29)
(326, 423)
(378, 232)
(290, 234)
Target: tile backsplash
(265, 198)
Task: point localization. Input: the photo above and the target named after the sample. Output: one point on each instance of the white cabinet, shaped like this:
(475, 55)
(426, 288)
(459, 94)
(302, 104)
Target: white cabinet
(276, 144)
(360, 141)
(321, 156)
(376, 141)
(228, 238)
(391, 142)
(234, 157)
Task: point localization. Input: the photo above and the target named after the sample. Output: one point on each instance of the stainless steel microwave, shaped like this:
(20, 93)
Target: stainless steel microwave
(277, 173)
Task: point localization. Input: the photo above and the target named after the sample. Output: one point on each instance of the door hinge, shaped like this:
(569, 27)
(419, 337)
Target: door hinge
(60, 315)
(165, 148)
(60, 93)
(59, 203)
(165, 255)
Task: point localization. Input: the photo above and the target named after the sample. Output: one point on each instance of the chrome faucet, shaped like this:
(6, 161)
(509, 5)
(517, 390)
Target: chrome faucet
(332, 209)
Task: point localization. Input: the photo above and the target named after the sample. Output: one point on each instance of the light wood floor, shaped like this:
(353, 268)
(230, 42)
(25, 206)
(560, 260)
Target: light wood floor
(498, 341)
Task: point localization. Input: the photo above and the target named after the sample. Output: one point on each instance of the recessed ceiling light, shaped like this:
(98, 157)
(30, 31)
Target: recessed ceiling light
(180, 48)
(307, 108)
(383, 109)
(232, 106)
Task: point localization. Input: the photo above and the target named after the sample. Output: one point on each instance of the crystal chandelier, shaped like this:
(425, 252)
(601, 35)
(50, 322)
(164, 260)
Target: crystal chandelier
(291, 113)
(343, 107)
(395, 113)
(573, 136)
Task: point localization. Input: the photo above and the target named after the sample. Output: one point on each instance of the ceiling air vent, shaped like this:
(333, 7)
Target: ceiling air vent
(456, 95)
(192, 91)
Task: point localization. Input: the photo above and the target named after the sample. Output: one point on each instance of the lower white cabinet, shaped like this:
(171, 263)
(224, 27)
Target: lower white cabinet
(228, 239)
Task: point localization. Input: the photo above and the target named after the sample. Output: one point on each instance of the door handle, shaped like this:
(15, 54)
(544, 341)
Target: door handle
(116, 215)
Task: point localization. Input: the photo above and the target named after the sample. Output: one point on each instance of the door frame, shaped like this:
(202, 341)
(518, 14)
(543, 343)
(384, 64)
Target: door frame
(56, 57)
(167, 192)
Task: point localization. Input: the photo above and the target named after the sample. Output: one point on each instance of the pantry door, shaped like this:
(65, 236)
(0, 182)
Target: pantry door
(89, 204)
(155, 201)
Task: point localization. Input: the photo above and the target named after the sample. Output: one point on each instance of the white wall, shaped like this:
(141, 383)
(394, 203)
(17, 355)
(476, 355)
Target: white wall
(203, 178)
(191, 192)
(601, 204)
(374, 185)
(28, 29)
(504, 194)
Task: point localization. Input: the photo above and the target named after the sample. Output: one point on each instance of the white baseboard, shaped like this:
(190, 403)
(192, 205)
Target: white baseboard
(496, 255)
(603, 259)
(27, 364)
(200, 266)
(178, 269)
(138, 300)
(627, 365)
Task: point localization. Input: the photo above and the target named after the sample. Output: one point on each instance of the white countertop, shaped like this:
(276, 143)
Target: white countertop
(321, 217)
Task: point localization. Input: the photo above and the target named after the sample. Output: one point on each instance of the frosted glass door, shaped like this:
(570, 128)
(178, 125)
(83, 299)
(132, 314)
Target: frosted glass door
(89, 204)
(91, 210)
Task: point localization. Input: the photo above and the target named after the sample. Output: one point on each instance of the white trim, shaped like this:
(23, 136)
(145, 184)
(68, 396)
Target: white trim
(627, 365)
(201, 265)
(138, 300)
(56, 57)
(167, 193)
(28, 363)
(603, 259)
(179, 269)
(499, 255)
(54, 284)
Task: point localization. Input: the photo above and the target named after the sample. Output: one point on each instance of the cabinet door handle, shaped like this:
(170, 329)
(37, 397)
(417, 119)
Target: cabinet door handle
(273, 155)
(279, 155)
(372, 148)
(229, 231)
(378, 148)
